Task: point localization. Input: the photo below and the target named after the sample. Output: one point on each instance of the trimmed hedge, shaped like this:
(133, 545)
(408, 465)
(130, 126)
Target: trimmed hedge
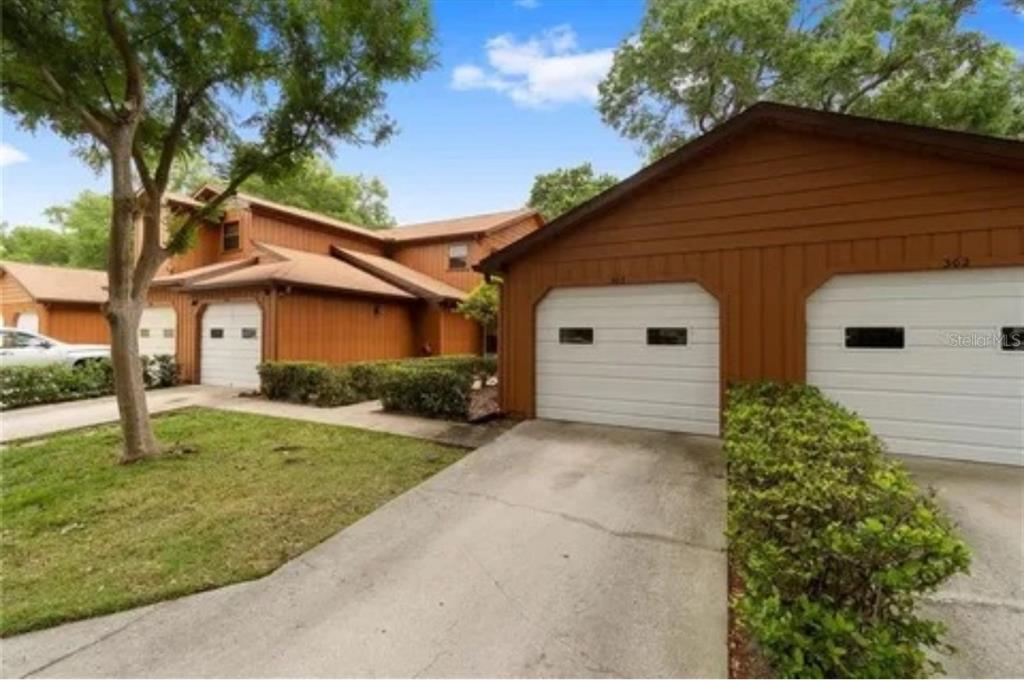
(432, 391)
(45, 384)
(831, 538)
(307, 382)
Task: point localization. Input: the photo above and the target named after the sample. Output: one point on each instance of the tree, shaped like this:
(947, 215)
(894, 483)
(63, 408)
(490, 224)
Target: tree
(81, 239)
(697, 63)
(141, 83)
(561, 190)
(312, 185)
(481, 305)
(85, 224)
(33, 244)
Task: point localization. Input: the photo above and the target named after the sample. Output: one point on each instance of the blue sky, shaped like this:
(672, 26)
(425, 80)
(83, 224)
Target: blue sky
(512, 96)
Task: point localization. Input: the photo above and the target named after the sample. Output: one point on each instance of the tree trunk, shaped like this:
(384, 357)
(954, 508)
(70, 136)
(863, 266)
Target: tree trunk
(124, 308)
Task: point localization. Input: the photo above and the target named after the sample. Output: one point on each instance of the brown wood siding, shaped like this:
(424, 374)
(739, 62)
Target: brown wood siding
(459, 335)
(337, 330)
(432, 260)
(77, 323)
(761, 224)
(14, 299)
(510, 234)
(301, 235)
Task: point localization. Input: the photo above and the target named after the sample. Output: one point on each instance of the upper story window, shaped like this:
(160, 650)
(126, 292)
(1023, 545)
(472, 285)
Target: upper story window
(230, 239)
(458, 256)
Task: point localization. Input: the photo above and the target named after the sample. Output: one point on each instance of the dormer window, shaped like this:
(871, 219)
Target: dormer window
(230, 239)
(458, 256)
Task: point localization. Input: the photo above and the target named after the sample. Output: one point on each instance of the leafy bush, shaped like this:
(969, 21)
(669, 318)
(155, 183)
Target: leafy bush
(831, 538)
(49, 383)
(432, 391)
(324, 385)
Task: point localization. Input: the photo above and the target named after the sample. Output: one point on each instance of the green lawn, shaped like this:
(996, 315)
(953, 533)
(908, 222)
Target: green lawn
(81, 536)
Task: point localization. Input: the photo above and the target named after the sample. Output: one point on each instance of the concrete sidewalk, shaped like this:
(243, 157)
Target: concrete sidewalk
(558, 550)
(36, 421)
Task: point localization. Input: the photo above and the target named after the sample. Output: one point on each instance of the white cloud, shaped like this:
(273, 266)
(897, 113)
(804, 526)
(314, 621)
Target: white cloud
(543, 71)
(528, 4)
(9, 155)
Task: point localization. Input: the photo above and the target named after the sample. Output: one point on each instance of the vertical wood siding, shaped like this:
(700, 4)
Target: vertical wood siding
(432, 259)
(301, 235)
(14, 299)
(459, 335)
(761, 224)
(337, 330)
(77, 323)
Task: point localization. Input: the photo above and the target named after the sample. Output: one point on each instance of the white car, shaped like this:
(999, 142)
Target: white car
(23, 348)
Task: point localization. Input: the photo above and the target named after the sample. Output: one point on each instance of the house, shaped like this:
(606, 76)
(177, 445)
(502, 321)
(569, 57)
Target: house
(268, 281)
(60, 302)
(882, 262)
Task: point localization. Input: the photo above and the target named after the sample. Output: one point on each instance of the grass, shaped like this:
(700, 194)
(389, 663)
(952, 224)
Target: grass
(81, 536)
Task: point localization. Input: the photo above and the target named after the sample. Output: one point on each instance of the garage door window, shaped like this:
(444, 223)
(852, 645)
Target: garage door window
(143, 332)
(168, 332)
(1013, 339)
(666, 336)
(216, 333)
(248, 333)
(576, 336)
(875, 337)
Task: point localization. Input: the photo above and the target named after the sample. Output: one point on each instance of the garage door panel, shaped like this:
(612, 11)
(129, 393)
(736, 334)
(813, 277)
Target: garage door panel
(231, 359)
(634, 371)
(934, 396)
(992, 437)
(620, 379)
(158, 331)
(702, 355)
(664, 391)
(995, 386)
(949, 362)
(931, 408)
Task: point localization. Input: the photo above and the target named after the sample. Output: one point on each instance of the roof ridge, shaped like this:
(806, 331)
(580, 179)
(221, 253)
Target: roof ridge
(19, 263)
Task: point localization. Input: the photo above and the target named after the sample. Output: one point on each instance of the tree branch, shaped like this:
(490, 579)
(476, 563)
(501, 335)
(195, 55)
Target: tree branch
(93, 120)
(133, 88)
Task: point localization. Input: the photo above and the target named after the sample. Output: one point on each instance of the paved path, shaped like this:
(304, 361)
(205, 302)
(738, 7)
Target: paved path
(984, 610)
(557, 550)
(41, 420)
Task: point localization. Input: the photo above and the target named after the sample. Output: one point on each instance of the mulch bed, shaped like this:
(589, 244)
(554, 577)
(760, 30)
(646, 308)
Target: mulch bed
(745, 661)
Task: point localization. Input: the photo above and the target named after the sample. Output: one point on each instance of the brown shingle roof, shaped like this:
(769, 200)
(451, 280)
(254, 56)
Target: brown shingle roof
(206, 271)
(458, 226)
(284, 265)
(59, 284)
(415, 282)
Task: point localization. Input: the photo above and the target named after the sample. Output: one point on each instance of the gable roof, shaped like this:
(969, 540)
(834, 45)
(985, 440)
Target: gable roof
(946, 143)
(59, 284)
(415, 282)
(196, 273)
(298, 267)
(458, 226)
(301, 213)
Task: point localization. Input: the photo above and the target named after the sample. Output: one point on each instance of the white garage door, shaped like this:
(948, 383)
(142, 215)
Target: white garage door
(157, 330)
(28, 321)
(231, 345)
(638, 356)
(931, 360)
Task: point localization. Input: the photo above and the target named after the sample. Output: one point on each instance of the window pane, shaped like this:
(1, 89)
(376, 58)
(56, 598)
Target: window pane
(231, 239)
(576, 336)
(875, 337)
(666, 336)
(458, 256)
(143, 332)
(168, 332)
(248, 333)
(1013, 338)
(217, 333)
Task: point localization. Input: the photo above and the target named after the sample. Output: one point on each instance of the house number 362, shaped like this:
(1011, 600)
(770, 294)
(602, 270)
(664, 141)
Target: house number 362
(960, 262)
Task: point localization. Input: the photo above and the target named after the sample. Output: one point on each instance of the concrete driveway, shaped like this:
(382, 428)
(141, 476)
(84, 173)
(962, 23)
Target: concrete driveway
(984, 610)
(556, 550)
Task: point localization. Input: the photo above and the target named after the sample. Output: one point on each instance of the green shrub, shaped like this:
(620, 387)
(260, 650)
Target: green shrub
(307, 382)
(432, 391)
(49, 383)
(831, 538)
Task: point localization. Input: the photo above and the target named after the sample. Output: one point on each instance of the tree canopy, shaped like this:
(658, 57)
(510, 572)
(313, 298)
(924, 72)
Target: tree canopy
(80, 239)
(258, 85)
(561, 190)
(696, 63)
(312, 184)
